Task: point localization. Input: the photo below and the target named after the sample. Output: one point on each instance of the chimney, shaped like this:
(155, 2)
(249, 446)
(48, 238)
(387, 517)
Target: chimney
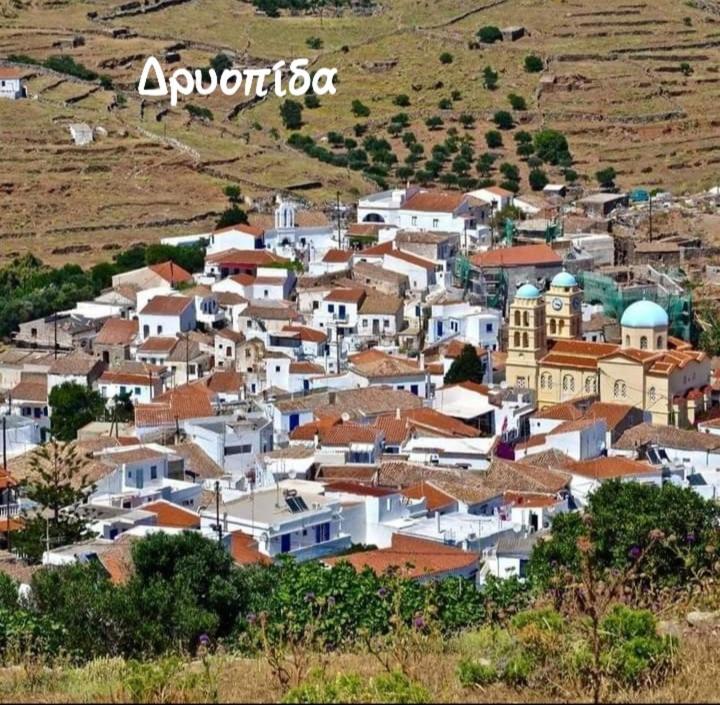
(397, 413)
(331, 397)
(437, 521)
(422, 360)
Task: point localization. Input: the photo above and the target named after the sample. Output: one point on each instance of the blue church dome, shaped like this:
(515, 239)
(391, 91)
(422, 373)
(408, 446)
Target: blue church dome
(644, 314)
(564, 280)
(527, 291)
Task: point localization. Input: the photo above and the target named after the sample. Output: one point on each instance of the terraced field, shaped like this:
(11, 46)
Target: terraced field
(632, 84)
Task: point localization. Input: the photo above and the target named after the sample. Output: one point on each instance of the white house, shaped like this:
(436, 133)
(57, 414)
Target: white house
(383, 207)
(477, 325)
(167, 316)
(238, 237)
(141, 381)
(421, 273)
(499, 197)
(11, 84)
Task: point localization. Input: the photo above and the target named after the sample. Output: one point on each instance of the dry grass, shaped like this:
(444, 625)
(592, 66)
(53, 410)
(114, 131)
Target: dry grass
(620, 98)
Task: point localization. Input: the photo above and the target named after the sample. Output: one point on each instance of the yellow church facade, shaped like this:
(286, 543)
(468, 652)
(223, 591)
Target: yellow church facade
(650, 369)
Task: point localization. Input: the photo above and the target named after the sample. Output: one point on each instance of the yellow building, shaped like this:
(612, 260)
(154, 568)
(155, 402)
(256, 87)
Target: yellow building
(650, 369)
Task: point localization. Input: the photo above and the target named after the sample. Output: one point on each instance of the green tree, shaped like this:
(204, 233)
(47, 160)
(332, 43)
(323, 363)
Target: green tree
(504, 120)
(467, 121)
(233, 193)
(606, 177)
(434, 122)
(674, 526)
(402, 100)
(58, 483)
(359, 109)
(538, 179)
(517, 102)
(311, 101)
(234, 215)
(446, 58)
(490, 78)
(533, 63)
(493, 139)
(291, 114)
(221, 62)
(468, 367)
(489, 34)
(551, 146)
(445, 104)
(73, 406)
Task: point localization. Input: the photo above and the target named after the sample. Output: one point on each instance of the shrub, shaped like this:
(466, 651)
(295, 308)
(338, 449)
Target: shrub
(551, 146)
(199, 112)
(504, 120)
(456, 95)
(446, 58)
(686, 69)
(489, 34)
(314, 42)
(490, 78)
(538, 179)
(311, 101)
(445, 104)
(471, 672)
(291, 114)
(402, 100)
(533, 63)
(493, 139)
(606, 177)
(434, 123)
(467, 121)
(359, 109)
(517, 102)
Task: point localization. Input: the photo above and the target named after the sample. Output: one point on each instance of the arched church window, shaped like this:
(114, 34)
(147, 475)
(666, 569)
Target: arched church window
(517, 318)
(643, 342)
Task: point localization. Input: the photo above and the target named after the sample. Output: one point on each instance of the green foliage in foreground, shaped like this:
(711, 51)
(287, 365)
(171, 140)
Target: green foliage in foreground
(185, 586)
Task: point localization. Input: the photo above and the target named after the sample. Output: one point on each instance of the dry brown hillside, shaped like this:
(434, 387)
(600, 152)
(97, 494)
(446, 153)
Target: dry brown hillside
(632, 84)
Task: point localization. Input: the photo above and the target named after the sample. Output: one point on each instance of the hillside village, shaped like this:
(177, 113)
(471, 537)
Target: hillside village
(418, 384)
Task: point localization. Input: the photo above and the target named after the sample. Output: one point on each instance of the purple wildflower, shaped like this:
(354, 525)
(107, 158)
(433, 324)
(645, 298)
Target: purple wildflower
(382, 592)
(634, 552)
(204, 640)
(418, 622)
(690, 537)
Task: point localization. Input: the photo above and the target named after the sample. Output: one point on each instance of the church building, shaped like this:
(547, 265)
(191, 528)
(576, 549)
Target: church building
(650, 369)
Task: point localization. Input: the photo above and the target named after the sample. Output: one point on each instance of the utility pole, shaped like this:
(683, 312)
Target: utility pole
(7, 486)
(55, 346)
(217, 512)
(337, 216)
(187, 358)
(650, 234)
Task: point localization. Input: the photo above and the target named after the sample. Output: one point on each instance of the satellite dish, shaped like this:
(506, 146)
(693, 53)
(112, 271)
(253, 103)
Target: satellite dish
(345, 416)
(292, 474)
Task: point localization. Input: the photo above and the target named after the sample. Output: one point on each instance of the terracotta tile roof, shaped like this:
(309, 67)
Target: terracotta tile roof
(553, 359)
(358, 488)
(569, 426)
(276, 281)
(171, 272)
(435, 499)
(245, 258)
(375, 363)
(117, 560)
(434, 201)
(133, 455)
(550, 458)
(249, 229)
(382, 249)
(565, 411)
(425, 237)
(307, 334)
(412, 259)
(360, 473)
(612, 413)
(244, 550)
(243, 278)
(606, 468)
(354, 296)
(372, 273)
(225, 381)
(227, 298)
(306, 368)
(396, 430)
(117, 331)
(197, 461)
(17, 569)
(363, 402)
(76, 363)
(518, 256)
(337, 256)
(166, 306)
(499, 191)
(335, 434)
(140, 374)
(185, 402)
(413, 557)
(440, 423)
(378, 303)
(365, 228)
(172, 515)
(584, 349)
(667, 436)
(33, 386)
(230, 334)
(158, 345)
(539, 439)
(266, 310)
(453, 348)
(8, 73)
